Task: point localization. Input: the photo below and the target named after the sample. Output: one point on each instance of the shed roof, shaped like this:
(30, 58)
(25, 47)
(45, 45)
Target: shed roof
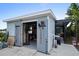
(33, 15)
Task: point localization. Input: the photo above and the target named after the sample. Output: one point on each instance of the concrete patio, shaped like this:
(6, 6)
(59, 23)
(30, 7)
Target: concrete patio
(63, 50)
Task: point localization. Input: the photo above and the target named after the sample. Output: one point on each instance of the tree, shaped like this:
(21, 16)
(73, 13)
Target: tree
(73, 16)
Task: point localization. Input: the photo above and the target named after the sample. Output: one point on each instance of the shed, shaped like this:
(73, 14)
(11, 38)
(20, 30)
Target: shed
(37, 28)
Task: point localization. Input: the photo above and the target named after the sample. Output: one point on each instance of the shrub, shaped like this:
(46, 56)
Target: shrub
(3, 37)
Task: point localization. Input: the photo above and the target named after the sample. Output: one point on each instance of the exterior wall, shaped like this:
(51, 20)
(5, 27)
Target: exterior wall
(18, 33)
(42, 35)
(51, 33)
(11, 28)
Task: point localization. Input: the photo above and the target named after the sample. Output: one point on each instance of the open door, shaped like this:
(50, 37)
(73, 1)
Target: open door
(26, 40)
(30, 33)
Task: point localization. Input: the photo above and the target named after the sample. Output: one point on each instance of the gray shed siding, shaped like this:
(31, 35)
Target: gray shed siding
(11, 28)
(51, 33)
(42, 36)
(18, 36)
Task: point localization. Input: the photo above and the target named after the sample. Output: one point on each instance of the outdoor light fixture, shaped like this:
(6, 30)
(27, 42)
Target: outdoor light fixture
(42, 24)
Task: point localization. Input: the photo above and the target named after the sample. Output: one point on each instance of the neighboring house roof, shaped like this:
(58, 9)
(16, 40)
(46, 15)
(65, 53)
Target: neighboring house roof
(62, 22)
(33, 15)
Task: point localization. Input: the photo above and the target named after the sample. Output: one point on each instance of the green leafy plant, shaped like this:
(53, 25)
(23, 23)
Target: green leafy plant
(73, 16)
(3, 37)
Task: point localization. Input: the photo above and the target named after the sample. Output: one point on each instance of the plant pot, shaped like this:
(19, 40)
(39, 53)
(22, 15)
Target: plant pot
(11, 41)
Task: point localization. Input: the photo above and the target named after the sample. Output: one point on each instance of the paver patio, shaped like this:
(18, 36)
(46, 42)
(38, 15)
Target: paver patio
(62, 50)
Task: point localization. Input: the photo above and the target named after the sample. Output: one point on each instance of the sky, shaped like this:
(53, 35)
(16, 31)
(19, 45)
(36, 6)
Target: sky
(10, 10)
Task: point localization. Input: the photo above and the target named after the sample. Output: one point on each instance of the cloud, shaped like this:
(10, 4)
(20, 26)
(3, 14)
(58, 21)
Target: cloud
(3, 25)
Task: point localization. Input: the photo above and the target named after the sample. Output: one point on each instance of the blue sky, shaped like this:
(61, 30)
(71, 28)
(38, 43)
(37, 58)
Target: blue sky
(12, 10)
